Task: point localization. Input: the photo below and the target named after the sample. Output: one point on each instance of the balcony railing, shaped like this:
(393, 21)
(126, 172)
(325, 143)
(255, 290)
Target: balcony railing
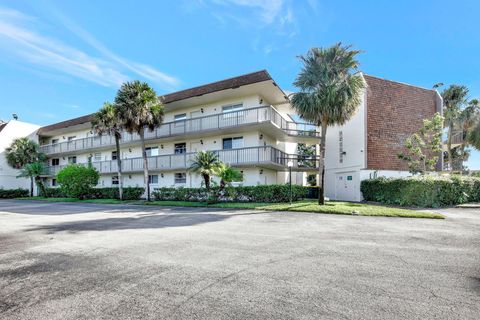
(236, 157)
(194, 125)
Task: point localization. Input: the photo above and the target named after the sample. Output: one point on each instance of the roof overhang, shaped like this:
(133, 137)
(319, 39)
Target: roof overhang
(256, 83)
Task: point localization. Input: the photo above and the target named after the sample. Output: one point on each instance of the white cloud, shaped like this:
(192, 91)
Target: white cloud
(268, 11)
(18, 35)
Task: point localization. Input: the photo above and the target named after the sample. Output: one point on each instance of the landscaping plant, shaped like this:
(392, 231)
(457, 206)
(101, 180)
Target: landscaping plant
(77, 181)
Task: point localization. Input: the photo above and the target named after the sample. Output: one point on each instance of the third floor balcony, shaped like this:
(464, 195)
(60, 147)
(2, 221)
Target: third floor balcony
(265, 118)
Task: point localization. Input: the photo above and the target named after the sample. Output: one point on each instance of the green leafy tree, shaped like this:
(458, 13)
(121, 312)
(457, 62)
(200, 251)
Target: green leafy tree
(306, 155)
(34, 171)
(424, 146)
(227, 174)
(77, 181)
(330, 92)
(107, 121)
(205, 163)
(23, 151)
(454, 98)
(139, 109)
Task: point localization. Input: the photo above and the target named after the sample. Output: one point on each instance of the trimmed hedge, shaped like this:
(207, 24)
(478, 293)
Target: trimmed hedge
(422, 191)
(13, 193)
(129, 193)
(263, 193)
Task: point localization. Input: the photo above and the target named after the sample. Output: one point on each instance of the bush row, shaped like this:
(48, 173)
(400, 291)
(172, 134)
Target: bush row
(13, 193)
(422, 191)
(129, 193)
(263, 193)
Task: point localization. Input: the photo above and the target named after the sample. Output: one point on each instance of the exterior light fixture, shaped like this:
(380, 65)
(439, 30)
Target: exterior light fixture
(261, 136)
(201, 110)
(201, 141)
(261, 171)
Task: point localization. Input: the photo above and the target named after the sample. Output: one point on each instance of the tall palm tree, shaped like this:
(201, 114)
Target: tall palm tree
(454, 97)
(34, 171)
(227, 174)
(107, 121)
(330, 92)
(467, 121)
(139, 109)
(205, 163)
(473, 135)
(23, 151)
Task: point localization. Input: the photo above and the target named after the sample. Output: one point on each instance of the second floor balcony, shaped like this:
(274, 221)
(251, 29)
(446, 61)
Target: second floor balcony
(266, 119)
(265, 157)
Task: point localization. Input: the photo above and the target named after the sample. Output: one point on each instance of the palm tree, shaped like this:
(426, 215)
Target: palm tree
(139, 108)
(106, 121)
(473, 135)
(467, 121)
(454, 97)
(205, 163)
(23, 151)
(34, 171)
(227, 174)
(330, 92)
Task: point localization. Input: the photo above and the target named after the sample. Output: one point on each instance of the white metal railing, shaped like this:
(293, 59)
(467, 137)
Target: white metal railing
(194, 125)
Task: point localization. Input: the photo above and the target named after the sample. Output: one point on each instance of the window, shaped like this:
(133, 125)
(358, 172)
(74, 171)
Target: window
(232, 108)
(115, 180)
(152, 151)
(114, 155)
(54, 141)
(233, 143)
(72, 159)
(180, 119)
(153, 179)
(54, 182)
(180, 177)
(97, 156)
(71, 138)
(180, 148)
(55, 162)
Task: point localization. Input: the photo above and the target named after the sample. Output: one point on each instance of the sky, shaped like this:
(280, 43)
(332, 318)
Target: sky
(63, 59)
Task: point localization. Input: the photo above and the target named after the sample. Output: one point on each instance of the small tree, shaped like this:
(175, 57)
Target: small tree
(77, 181)
(21, 152)
(34, 171)
(424, 146)
(205, 163)
(227, 174)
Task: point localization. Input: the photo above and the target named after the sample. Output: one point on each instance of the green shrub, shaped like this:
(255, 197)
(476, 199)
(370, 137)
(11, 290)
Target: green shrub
(262, 193)
(13, 193)
(129, 193)
(426, 191)
(77, 181)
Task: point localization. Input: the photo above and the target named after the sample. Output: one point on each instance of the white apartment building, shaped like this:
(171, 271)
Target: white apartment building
(247, 119)
(249, 122)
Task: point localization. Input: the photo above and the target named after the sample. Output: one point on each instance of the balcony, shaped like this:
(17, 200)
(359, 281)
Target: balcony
(222, 123)
(265, 157)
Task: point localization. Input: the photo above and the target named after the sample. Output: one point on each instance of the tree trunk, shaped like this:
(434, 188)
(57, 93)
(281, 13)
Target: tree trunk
(321, 192)
(41, 186)
(145, 163)
(119, 167)
(449, 148)
(31, 186)
(206, 178)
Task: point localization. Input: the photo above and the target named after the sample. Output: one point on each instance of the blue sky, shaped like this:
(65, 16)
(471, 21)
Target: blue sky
(63, 59)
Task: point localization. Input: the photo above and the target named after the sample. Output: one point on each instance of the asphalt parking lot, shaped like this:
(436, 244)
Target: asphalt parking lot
(89, 261)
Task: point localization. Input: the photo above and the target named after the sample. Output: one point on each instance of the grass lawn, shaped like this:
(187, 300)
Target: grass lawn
(331, 207)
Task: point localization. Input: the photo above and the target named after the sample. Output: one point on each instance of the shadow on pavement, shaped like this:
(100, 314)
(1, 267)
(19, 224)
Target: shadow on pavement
(152, 221)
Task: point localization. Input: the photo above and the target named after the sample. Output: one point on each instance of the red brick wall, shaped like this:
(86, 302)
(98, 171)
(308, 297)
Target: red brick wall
(394, 112)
